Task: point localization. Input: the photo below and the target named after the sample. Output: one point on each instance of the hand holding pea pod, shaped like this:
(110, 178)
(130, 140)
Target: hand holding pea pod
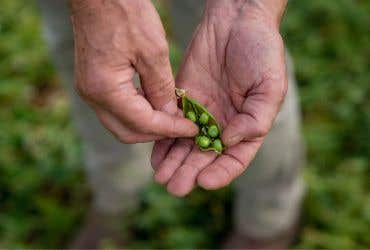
(235, 67)
(105, 69)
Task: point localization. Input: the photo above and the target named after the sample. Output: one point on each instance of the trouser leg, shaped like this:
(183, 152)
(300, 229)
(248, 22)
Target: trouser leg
(115, 171)
(270, 191)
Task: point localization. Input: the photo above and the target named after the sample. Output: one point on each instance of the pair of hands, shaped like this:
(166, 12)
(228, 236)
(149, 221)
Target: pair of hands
(234, 65)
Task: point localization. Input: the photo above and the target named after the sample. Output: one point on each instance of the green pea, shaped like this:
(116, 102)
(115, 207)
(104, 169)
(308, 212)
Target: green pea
(217, 145)
(204, 118)
(213, 131)
(204, 141)
(191, 116)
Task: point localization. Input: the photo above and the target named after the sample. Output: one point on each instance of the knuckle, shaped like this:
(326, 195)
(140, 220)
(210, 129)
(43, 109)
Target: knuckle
(166, 86)
(229, 174)
(155, 54)
(262, 129)
(91, 85)
(173, 127)
(159, 55)
(162, 50)
(161, 91)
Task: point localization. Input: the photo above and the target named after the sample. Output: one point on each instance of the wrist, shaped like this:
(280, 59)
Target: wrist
(268, 11)
(99, 5)
(76, 5)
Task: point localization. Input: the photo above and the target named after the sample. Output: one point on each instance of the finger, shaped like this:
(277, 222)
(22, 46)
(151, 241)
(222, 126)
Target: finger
(173, 160)
(135, 111)
(157, 81)
(121, 132)
(162, 147)
(160, 150)
(184, 179)
(258, 113)
(228, 166)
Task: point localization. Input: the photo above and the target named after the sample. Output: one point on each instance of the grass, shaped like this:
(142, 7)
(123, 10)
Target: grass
(43, 194)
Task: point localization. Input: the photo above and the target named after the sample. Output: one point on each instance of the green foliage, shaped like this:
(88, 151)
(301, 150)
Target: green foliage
(330, 45)
(43, 194)
(337, 207)
(329, 41)
(163, 221)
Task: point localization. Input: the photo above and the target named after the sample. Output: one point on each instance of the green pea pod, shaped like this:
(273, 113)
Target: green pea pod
(192, 105)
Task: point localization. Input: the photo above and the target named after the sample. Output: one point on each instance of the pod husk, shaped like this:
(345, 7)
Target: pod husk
(190, 104)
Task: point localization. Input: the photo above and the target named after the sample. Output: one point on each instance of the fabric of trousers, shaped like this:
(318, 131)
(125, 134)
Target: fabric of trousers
(268, 194)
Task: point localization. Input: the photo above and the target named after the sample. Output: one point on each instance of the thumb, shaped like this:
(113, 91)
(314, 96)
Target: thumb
(244, 127)
(257, 115)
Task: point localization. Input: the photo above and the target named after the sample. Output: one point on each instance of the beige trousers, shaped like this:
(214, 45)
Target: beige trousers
(268, 194)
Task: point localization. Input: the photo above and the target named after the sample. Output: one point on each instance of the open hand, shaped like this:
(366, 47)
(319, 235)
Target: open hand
(235, 66)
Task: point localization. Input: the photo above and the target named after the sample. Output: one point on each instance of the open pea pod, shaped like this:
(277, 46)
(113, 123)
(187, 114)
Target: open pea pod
(209, 137)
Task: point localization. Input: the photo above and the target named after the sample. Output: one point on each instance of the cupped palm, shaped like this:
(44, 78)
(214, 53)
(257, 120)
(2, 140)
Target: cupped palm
(235, 66)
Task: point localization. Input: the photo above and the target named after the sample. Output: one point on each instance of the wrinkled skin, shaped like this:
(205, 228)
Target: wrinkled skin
(113, 40)
(235, 66)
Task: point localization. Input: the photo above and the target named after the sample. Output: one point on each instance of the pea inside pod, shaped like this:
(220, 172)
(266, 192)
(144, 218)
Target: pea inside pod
(204, 118)
(191, 116)
(209, 137)
(213, 131)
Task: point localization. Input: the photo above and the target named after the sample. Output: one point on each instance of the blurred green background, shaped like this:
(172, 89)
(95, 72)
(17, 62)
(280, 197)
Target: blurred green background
(44, 196)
